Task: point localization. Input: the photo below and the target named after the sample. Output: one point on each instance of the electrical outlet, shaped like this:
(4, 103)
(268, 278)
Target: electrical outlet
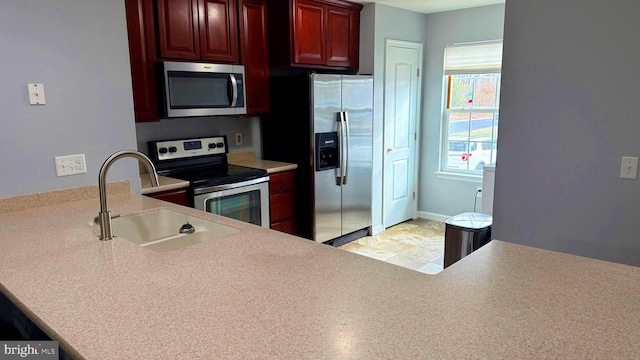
(629, 168)
(479, 188)
(70, 165)
(238, 138)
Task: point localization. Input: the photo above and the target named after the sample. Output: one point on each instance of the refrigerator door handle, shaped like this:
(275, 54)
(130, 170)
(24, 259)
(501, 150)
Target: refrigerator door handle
(340, 177)
(346, 161)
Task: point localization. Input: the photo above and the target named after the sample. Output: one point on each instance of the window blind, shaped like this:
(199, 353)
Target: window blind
(471, 57)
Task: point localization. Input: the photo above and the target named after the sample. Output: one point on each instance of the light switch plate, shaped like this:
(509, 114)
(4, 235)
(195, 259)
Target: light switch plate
(238, 138)
(70, 165)
(629, 168)
(36, 94)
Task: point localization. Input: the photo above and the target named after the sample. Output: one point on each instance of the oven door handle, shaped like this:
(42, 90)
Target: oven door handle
(215, 188)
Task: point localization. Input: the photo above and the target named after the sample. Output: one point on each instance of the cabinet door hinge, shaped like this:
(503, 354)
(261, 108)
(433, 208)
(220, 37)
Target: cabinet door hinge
(415, 136)
(414, 195)
(418, 72)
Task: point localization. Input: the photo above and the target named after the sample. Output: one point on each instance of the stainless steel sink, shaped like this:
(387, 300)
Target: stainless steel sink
(159, 230)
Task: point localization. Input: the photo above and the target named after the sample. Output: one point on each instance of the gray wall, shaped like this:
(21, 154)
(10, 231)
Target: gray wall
(441, 198)
(78, 50)
(199, 127)
(381, 22)
(568, 113)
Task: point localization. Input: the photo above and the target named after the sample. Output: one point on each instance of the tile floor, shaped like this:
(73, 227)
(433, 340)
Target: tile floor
(416, 244)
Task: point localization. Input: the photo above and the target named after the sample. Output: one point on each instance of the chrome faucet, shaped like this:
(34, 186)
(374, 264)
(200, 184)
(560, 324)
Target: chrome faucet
(105, 215)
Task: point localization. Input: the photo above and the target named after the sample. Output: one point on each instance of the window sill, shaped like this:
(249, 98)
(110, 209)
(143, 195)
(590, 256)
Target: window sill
(459, 176)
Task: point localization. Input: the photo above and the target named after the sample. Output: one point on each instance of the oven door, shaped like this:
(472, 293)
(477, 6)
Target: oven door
(246, 201)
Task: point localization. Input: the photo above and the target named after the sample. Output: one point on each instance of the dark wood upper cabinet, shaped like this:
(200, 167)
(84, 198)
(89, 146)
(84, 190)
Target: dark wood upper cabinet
(142, 55)
(198, 30)
(315, 33)
(218, 30)
(178, 29)
(343, 37)
(309, 35)
(254, 47)
(212, 31)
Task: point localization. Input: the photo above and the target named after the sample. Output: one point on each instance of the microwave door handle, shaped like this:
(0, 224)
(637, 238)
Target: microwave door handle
(346, 161)
(234, 91)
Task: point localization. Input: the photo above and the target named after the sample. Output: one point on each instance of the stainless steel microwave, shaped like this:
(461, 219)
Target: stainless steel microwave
(199, 89)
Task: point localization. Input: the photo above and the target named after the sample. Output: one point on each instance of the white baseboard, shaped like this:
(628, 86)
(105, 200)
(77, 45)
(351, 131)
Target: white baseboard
(377, 229)
(432, 216)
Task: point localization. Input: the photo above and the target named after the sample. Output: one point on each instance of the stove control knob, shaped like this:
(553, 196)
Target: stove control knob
(162, 150)
(220, 144)
(173, 149)
(212, 145)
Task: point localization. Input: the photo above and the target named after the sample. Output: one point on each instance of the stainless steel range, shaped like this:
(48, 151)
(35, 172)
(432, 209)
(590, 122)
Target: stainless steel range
(233, 191)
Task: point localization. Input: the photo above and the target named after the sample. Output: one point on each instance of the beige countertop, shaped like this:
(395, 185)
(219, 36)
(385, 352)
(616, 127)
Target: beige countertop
(270, 166)
(266, 294)
(166, 183)
(248, 159)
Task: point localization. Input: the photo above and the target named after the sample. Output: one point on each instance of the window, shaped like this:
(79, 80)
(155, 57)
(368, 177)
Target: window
(472, 97)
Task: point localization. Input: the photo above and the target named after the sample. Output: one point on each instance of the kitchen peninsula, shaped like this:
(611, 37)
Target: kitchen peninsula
(265, 294)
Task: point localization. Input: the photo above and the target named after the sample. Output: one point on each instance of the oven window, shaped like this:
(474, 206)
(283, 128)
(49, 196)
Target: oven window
(244, 206)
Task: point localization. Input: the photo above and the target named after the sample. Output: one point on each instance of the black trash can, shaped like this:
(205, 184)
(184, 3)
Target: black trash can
(465, 233)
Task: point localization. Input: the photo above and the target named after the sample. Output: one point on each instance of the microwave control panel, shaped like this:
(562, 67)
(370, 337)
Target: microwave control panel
(187, 148)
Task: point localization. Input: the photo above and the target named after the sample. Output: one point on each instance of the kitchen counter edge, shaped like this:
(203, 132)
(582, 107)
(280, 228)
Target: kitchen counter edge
(166, 184)
(521, 301)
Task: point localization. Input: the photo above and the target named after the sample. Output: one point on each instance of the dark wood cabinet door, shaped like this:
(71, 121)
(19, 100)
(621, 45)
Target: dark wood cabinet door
(287, 226)
(282, 190)
(309, 33)
(142, 50)
(320, 34)
(254, 45)
(282, 181)
(343, 37)
(283, 206)
(218, 30)
(173, 196)
(178, 29)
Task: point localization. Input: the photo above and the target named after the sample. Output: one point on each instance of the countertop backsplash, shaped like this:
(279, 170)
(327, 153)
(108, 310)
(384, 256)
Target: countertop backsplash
(206, 126)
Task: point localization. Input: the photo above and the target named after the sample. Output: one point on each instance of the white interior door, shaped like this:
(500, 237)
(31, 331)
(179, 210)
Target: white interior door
(402, 91)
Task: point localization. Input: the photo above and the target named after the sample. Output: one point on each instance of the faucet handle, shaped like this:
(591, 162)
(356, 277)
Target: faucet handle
(96, 219)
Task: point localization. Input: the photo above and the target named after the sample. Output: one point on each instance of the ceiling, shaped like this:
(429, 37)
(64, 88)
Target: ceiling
(432, 6)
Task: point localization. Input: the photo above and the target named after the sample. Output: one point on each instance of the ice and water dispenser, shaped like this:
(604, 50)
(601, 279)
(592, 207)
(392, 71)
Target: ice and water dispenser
(327, 151)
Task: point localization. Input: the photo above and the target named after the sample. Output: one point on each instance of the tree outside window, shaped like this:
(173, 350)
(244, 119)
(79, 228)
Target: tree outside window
(471, 108)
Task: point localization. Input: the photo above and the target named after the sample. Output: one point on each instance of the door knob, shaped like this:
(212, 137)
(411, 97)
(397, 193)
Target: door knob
(389, 149)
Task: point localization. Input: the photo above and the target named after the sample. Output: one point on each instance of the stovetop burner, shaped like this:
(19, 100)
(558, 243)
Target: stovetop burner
(217, 175)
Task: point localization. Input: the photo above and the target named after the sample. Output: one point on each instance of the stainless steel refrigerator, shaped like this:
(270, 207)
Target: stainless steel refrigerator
(324, 123)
